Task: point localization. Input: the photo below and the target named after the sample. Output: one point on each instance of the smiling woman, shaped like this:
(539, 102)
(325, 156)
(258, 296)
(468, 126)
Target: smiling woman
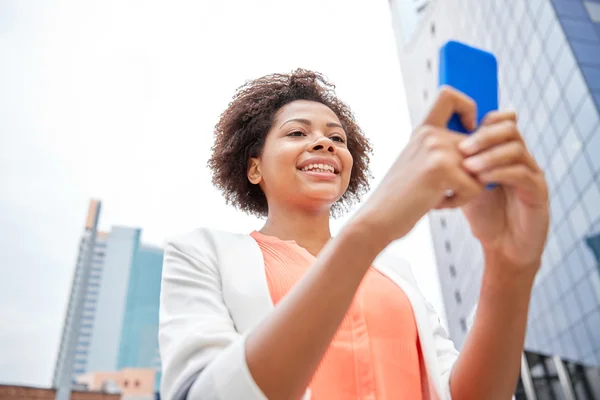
(288, 312)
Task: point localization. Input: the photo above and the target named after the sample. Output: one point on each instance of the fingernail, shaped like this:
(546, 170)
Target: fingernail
(472, 163)
(467, 145)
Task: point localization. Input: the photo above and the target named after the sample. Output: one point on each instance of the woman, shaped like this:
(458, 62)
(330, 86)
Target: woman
(289, 312)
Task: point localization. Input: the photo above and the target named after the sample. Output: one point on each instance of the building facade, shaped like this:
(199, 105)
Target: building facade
(79, 318)
(548, 55)
(131, 383)
(112, 317)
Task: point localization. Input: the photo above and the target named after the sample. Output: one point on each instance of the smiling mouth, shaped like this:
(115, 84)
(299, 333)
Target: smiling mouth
(320, 168)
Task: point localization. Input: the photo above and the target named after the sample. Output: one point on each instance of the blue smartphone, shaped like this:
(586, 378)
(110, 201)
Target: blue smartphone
(471, 71)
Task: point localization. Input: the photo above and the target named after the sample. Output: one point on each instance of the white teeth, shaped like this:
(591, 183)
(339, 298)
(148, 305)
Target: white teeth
(319, 168)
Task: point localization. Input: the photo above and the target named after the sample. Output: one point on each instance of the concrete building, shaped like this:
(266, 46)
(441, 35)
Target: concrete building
(112, 316)
(131, 383)
(548, 55)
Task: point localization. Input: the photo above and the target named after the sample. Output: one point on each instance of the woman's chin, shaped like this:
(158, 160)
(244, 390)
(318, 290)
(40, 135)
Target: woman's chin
(320, 199)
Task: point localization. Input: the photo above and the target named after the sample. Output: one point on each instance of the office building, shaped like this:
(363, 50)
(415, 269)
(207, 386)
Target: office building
(112, 316)
(548, 55)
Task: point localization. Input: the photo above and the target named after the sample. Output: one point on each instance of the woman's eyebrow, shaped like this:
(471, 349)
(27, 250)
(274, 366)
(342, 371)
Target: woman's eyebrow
(307, 122)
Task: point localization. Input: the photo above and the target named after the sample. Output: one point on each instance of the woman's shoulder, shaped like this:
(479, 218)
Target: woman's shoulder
(205, 235)
(204, 242)
(391, 262)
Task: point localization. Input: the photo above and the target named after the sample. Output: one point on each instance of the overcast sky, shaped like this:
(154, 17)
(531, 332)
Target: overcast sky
(117, 100)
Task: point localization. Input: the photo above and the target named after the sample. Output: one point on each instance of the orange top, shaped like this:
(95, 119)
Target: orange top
(375, 353)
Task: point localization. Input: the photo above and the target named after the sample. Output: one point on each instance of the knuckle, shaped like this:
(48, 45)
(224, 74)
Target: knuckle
(523, 172)
(426, 130)
(511, 126)
(519, 150)
(446, 91)
(439, 161)
(432, 141)
(471, 103)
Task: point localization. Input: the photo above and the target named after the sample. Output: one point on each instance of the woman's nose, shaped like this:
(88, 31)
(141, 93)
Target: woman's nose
(323, 143)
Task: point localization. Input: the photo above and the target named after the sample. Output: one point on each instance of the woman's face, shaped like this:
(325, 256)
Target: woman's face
(305, 161)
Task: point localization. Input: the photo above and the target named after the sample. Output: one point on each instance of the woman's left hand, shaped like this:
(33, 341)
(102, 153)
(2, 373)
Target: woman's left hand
(510, 220)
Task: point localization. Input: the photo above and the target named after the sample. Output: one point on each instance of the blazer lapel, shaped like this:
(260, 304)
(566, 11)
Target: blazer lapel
(398, 270)
(245, 288)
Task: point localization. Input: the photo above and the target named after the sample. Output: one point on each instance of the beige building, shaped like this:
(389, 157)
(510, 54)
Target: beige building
(131, 383)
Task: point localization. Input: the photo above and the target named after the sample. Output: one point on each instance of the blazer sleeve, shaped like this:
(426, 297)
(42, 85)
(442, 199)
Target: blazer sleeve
(447, 353)
(202, 354)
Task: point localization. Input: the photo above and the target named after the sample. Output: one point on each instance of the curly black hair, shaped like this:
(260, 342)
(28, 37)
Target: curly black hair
(242, 128)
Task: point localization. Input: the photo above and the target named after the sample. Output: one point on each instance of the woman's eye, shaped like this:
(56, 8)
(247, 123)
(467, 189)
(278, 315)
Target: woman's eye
(296, 133)
(337, 139)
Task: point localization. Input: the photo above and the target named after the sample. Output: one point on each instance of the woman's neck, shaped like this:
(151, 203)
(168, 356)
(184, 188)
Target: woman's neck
(308, 230)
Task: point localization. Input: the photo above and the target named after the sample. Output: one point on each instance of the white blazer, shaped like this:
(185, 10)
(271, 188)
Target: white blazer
(214, 292)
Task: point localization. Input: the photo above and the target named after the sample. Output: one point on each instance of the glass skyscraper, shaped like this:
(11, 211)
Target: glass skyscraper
(139, 336)
(112, 317)
(548, 55)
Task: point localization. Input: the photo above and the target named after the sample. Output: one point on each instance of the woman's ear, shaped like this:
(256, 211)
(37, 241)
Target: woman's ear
(254, 175)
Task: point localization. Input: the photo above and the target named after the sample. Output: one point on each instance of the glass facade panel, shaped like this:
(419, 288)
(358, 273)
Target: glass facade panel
(592, 149)
(581, 171)
(586, 118)
(575, 91)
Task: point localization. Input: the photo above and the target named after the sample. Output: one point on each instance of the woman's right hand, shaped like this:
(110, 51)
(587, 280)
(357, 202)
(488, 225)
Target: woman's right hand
(426, 171)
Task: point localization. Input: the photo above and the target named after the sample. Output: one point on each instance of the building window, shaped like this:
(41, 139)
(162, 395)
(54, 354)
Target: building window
(452, 271)
(425, 94)
(428, 65)
(126, 383)
(433, 29)
(448, 247)
(457, 297)
(137, 383)
(463, 325)
(443, 222)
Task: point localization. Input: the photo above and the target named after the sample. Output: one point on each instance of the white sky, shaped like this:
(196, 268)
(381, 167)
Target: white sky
(117, 100)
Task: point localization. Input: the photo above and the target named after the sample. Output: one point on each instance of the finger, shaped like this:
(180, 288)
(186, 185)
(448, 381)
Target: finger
(488, 136)
(438, 138)
(464, 188)
(449, 102)
(508, 153)
(493, 117)
(520, 176)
